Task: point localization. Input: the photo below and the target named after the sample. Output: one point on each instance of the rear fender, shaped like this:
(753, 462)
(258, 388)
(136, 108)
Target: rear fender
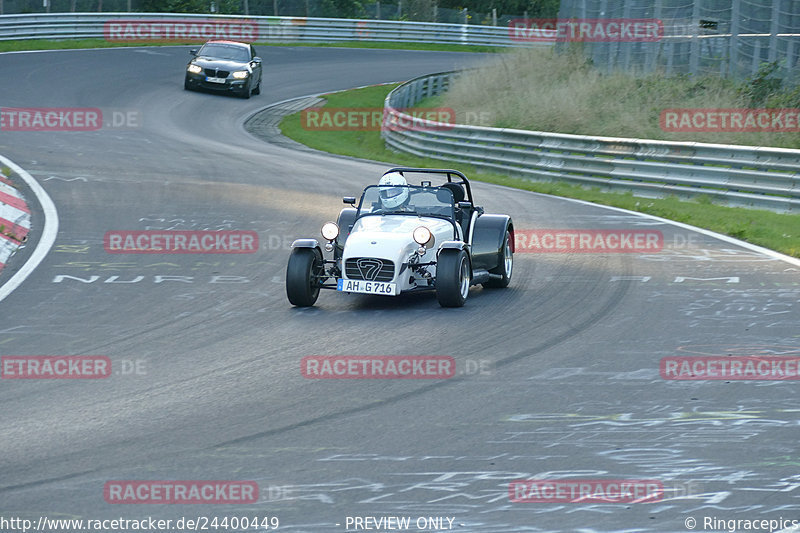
(487, 240)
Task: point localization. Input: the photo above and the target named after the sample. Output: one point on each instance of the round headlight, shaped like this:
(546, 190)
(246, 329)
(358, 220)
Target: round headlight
(422, 235)
(330, 231)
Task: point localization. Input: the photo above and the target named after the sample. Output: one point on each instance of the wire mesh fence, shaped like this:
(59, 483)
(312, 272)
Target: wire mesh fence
(729, 37)
(408, 10)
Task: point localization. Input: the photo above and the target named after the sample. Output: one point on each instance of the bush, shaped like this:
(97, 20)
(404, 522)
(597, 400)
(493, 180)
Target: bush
(761, 86)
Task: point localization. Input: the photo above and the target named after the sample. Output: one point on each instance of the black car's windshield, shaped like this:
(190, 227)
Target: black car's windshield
(225, 51)
(406, 199)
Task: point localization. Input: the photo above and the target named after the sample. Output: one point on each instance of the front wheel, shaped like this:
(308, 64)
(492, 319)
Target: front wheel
(303, 276)
(505, 265)
(453, 276)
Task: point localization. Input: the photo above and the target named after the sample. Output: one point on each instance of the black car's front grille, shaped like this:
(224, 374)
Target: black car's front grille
(369, 269)
(214, 73)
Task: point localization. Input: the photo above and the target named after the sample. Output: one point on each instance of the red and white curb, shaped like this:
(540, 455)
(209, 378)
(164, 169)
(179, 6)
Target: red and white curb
(11, 205)
(15, 220)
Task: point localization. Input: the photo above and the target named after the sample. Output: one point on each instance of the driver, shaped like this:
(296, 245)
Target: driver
(393, 192)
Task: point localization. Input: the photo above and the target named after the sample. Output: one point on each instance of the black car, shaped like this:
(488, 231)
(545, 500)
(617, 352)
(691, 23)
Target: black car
(225, 66)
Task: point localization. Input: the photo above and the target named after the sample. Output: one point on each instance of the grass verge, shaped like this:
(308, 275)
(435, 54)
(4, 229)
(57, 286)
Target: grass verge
(576, 97)
(776, 231)
(69, 44)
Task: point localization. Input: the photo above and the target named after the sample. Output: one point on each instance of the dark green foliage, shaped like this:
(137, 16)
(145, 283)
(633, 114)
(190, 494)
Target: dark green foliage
(534, 8)
(175, 6)
(761, 85)
(788, 98)
(340, 9)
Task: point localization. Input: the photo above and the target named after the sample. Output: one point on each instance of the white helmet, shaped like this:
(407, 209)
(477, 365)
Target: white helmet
(393, 190)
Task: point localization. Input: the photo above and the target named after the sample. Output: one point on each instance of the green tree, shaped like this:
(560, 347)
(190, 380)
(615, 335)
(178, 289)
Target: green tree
(535, 8)
(348, 9)
(176, 6)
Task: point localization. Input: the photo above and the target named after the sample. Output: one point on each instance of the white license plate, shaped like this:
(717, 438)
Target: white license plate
(209, 79)
(366, 287)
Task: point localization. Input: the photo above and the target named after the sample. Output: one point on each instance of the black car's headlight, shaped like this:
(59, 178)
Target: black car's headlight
(240, 74)
(194, 69)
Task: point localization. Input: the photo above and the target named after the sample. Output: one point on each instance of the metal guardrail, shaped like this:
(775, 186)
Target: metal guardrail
(738, 175)
(756, 177)
(267, 28)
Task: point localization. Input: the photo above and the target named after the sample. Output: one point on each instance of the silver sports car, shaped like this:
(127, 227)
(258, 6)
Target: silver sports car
(402, 238)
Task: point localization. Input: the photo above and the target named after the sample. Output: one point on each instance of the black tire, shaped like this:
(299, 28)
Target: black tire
(505, 267)
(453, 277)
(186, 85)
(302, 276)
(257, 90)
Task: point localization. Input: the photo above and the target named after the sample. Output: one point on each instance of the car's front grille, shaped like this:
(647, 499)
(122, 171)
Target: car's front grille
(214, 73)
(369, 269)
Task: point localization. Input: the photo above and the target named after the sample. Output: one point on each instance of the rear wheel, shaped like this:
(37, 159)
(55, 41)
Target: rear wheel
(505, 266)
(453, 276)
(303, 276)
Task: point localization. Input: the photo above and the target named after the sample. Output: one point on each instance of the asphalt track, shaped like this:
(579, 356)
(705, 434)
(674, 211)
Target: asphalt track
(570, 386)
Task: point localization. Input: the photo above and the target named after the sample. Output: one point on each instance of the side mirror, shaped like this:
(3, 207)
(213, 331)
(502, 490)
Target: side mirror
(349, 200)
(257, 59)
(464, 205)
(193, 52)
